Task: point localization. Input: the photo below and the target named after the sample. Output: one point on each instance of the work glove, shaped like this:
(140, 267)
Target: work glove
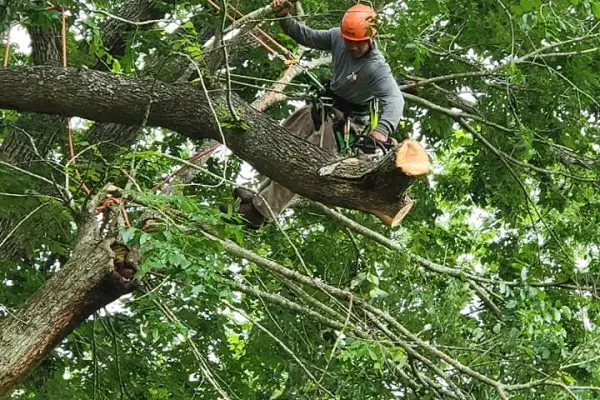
(281, 7)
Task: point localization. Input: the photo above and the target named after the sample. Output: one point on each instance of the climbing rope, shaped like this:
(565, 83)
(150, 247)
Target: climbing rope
(192, 159)
(63, 35)
(7, 50)
(289, 56)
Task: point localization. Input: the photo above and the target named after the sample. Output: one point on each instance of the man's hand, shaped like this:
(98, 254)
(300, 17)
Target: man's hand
(281, 7)
(380, 137)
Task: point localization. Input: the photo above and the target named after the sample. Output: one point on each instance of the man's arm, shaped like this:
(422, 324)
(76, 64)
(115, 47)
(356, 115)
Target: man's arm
(386, 90)
(315, 39)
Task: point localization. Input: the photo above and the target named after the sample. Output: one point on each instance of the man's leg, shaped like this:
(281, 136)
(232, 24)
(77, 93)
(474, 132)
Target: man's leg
(273, 198)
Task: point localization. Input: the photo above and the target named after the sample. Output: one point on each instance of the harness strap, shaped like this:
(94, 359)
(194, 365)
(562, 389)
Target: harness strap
(346, 117)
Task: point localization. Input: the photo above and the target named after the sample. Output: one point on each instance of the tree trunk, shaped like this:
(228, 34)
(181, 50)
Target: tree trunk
(34, 135)
(30, 138)
(87, 282)
(256, 138)
(93, 277)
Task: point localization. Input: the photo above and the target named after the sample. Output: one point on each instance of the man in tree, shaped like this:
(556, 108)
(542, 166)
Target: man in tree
(360, 75)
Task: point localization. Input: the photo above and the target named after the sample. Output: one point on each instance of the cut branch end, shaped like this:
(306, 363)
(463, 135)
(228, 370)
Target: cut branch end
(391, 219)
(412, 159)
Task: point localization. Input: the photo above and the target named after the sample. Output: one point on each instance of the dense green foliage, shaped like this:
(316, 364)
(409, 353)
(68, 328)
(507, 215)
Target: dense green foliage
(512, 205)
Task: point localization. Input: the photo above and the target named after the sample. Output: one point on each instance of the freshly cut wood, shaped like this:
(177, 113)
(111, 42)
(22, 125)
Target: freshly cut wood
(388, 179)
(405, 205)
(412, 159)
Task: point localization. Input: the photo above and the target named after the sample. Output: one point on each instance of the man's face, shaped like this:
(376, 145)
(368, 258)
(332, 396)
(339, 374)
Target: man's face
(358, 49)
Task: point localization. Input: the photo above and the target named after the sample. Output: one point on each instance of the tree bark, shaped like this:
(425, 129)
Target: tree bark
(184, 108)
(91, 279)
(31, 137)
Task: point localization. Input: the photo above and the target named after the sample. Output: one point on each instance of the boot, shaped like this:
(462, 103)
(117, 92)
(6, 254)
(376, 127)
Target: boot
(243, 194)
(254, 219)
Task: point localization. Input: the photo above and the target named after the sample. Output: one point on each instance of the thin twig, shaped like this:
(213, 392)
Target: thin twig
(110, 329)
(507, 157)
(95, 384)
(338, 339)
(204, 367)
(485, 298)
(454, 114)
(419, 82)
(21, 222)
(537, 52)
(23, 171)
(127, 21)
(281, 344)
(214, 113)
(290, 305)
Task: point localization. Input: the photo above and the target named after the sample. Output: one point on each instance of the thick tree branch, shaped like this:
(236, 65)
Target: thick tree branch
(91, 279)
(271, 149)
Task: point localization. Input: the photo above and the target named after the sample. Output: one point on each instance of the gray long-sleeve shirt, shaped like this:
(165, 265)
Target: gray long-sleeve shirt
(355, 80)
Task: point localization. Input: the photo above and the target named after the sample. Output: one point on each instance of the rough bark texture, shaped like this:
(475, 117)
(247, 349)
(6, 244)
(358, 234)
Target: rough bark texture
(184, 108)
(32, 135)
(84, 284)
(46, 131)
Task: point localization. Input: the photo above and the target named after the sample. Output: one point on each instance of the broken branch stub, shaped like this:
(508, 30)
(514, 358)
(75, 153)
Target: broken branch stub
(390, 179)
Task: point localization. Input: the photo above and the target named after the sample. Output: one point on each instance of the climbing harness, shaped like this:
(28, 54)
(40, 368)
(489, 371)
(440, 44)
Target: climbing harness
(352, 124)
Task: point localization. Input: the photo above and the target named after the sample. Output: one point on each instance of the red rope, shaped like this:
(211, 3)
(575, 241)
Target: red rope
(7, 50)
(258, 40)
(64, 62)
(288, 53)
(184, 166)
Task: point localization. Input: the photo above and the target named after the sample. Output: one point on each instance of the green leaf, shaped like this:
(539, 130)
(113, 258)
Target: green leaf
(376, 292)
(566, 312)
(128, 234)
(198, 289)
(116, 66)
(373, 279)
(497, 328)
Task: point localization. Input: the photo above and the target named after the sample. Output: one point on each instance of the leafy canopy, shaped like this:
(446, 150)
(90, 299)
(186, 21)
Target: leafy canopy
(509, 217)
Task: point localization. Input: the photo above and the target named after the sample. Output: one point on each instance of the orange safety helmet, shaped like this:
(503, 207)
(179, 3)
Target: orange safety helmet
(357, 23)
